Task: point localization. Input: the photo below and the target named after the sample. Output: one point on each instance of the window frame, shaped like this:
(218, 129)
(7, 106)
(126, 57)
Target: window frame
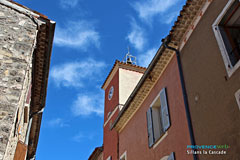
(171, 156)
(215, 26)
(124, 155)
(26, 114)
(109, 158)
(159, 118)
(237, 96)
(154, 140)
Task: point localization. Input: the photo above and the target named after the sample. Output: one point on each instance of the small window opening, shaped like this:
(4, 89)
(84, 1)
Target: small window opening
(229, 28)
(26, 115)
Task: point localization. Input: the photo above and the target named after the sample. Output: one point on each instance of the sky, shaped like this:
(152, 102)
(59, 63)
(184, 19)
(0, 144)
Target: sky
(89, 36)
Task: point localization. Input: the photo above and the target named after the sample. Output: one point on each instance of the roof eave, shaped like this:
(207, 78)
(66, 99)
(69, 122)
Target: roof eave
(35, 130)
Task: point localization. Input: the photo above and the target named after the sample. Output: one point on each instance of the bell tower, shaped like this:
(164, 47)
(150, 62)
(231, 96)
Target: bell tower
(118, 86)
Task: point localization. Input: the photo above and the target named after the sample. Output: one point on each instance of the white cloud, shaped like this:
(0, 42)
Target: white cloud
(76, 73)
(80, 34)
(145, 58)
(87, 104)
(68, 3)
(81, 136)
(168, 19)
(58, 122)
(136, 37)
(150, 8)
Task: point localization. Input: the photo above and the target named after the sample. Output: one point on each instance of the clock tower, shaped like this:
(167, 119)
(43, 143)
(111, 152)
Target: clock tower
(118, 86)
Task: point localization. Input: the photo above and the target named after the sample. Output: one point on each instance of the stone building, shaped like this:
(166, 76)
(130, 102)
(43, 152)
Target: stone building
(26, 39)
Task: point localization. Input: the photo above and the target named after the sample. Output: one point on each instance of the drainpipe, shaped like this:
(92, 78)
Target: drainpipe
(117, 145)
(33, 158)
(165, 43)
(28, 131)
(29, 127)
(30, 124)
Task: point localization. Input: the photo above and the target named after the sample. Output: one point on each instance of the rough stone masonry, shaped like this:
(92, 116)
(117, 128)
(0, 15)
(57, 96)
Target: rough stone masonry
(17, 39)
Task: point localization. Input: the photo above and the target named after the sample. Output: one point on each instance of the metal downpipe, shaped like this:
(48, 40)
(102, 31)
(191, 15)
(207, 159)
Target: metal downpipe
(189, 121)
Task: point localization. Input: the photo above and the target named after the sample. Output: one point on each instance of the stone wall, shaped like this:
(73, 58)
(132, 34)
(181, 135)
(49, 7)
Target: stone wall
(17, 40)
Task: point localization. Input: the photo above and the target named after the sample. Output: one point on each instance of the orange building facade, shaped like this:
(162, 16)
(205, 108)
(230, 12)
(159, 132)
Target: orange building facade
(144, 116)
(119, 84)
(134, 140)
(168, 110)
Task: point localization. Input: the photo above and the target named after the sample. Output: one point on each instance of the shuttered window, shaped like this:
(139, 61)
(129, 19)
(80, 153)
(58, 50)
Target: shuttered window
(124, 156)
(164, 110)
(158, 120)
(171, 156)
(150, 128)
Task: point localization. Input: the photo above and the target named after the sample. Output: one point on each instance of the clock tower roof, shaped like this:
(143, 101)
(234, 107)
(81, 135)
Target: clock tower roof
(123, 65)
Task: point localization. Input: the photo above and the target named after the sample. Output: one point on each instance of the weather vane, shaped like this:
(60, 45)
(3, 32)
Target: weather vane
(128, 50)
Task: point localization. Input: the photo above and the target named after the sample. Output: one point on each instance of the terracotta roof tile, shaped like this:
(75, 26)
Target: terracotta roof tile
(124, 64)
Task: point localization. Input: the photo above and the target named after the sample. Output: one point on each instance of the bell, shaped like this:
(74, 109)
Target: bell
(129, 60)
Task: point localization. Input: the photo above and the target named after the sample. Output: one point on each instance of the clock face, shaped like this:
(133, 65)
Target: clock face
(110, 93)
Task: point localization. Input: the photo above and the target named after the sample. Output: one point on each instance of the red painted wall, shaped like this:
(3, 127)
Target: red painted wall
(110, 138)
(111, 104)
(134, 137)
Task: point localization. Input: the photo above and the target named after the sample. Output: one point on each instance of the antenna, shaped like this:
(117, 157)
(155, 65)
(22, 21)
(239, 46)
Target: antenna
(129, 59)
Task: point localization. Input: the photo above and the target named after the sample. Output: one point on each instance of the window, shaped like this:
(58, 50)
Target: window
(237, 95)
(109, 158)
(171, 156)
(16, 123)
(25, 114)
(29, 94)
(124, 156)
(227, 32)
(158, 120)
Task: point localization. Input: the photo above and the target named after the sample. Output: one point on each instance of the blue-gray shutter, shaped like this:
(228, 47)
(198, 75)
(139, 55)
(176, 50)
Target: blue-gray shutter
(150, 127)
(171, 156)
(164, 110)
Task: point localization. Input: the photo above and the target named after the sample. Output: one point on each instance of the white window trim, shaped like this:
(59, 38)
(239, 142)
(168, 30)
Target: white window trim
(160, 140)
(157, 142)
(109, 158)
(155, 99)
(124, 155)
(117, 108)
(237, 95)
(226, 60)
(164, 158)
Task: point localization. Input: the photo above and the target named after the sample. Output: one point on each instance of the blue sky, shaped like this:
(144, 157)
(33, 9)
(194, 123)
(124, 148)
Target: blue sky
(90, 35)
